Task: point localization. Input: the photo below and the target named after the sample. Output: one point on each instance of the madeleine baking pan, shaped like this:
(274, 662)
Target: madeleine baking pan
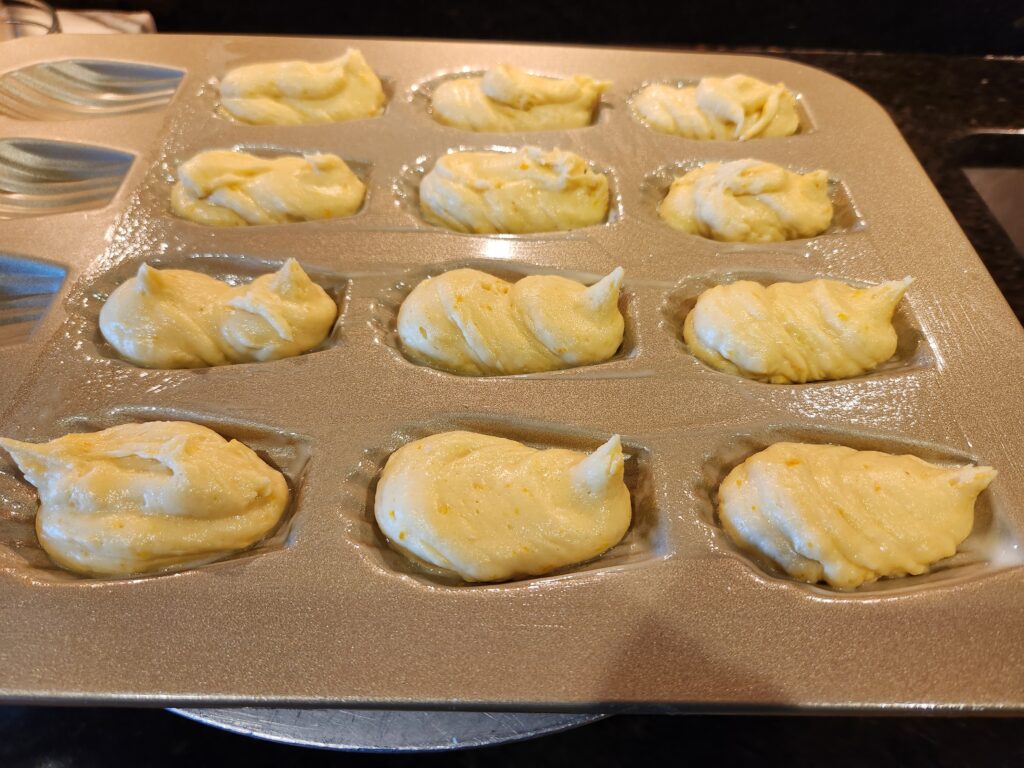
(323, 613)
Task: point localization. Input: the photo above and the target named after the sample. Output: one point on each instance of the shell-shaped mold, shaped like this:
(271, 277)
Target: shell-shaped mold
(846, 216)
(913, 350)
(385, 308)
(992, 545)
(21, 555)
(39, 177)
(86, 301)
(27, 288)
(645, 542)
(406, 188)
(79, 89)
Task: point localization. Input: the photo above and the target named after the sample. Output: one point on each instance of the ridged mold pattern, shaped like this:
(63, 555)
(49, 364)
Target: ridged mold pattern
(40, 177)
(79, 89)
(27, 288)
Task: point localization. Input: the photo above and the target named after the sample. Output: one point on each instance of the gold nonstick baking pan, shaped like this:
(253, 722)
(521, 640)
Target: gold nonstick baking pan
(322, 613)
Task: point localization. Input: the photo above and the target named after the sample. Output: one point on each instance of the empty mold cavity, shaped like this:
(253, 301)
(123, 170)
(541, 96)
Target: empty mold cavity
(362, 170)
(84, 305)
(644, 542)
(40, 177)
(655, 185)
(20, 552)
(806, 124)
(406, 188)
(80, 89)
(912, 346)
(992, 545)
(27, 288)
(421, 94)
(384, 310)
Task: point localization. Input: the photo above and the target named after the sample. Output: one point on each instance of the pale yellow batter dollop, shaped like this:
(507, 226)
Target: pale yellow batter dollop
(140, 498)
(230, 188)
(303, 92)
(846, 517)
(794, 332)
(748, 201)
(177, 318)
(508, 99)
(733, 108)
(491, 509)
(469, 322)
(530, 190)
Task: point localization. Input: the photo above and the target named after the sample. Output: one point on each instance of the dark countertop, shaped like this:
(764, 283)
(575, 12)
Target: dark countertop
(936, 101)
(106, 738)
(962, 27)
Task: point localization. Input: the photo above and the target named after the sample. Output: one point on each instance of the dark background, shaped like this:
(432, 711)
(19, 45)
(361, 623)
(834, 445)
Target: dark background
(940, 26)
(106, 738)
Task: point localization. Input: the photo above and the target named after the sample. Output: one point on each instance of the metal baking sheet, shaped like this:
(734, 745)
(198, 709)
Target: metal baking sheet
(387, 730)
(323, 614)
